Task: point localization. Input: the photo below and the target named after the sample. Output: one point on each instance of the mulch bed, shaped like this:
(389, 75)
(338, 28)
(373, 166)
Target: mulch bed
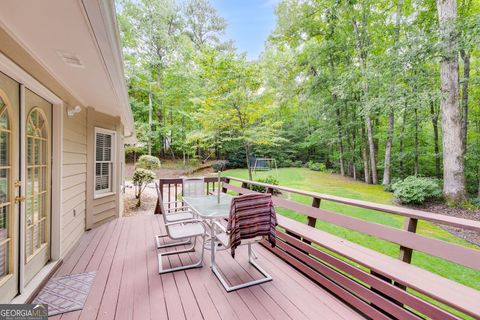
(441, 208)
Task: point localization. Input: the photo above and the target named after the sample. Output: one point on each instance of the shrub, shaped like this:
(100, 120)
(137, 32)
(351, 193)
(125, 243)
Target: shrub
(268, 180)
(133, 152)
(219, 165)
(141, 178)
(148, 162)
(287, 163)
(297, 164)
(416, 190)
(475, 202)
(389, 187)
(316, 166)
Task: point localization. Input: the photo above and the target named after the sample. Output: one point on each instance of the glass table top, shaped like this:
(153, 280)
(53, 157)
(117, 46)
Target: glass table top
(207, 206)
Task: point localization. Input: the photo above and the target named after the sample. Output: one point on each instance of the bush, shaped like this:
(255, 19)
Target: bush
(297, 164)
(416, 190)
(316, 166)
(219, 165)
(133, 152)
(287, 163)
(389, 187)
(141, 178)
(268, 180)
(475, 202)
(148, 162)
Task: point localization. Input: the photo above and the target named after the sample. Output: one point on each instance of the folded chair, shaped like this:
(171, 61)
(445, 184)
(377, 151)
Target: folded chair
(252, 219)
(176, 213)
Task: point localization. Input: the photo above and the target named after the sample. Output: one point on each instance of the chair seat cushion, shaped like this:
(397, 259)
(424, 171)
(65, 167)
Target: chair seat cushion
(178, 216)
(188, 230)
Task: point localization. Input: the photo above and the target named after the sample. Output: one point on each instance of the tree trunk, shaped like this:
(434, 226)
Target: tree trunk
(417, 165)
(371, 145)
(340, 143)
(247, 156)
(388, 149)
(365, 158)
(435, 140)
(466, 78)
(391, 114)
(402, 133)
(453, 162)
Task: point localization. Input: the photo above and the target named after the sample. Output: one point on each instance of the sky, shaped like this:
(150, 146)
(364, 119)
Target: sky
(249, 23)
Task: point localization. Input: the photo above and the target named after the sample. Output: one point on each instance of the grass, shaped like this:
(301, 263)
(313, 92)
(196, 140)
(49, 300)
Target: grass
(333, 184)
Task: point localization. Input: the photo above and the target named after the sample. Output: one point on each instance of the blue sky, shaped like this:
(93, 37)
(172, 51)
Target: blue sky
(249, 23)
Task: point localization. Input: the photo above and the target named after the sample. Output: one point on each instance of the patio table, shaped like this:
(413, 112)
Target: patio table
(207, 207)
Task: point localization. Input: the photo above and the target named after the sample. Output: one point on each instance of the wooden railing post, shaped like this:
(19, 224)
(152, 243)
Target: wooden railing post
(410, 225)
(157, 205)
(226, 180)
(311, 221)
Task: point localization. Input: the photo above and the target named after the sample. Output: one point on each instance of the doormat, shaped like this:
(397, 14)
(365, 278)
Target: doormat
(66, 293)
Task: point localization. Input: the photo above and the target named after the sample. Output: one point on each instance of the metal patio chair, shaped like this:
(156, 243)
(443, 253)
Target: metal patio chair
(250, 211)
(175, 212)
(183, 231)
(193, 186)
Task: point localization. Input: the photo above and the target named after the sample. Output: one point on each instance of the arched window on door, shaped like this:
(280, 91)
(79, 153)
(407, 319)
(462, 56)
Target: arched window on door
(37, 189)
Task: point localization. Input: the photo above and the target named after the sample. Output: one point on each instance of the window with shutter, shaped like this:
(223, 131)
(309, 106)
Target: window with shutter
(104, 147)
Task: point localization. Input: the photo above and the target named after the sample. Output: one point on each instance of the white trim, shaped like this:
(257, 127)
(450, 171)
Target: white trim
(113, 149)
(8, 67)
(26, 81)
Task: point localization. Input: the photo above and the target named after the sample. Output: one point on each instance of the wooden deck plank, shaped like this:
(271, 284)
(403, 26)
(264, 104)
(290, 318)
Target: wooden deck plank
(128, 286)
(109, 299)
(125, 298)
(170, 290)
(94, 299)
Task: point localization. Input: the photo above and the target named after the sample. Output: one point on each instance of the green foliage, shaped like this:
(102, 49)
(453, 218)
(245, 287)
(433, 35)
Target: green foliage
(219, 165)
(389, 187)
(268, 180)
(316, 166)
(416, 190)
(475, 202)
(148, 162)
(133, 152)
(141, 178)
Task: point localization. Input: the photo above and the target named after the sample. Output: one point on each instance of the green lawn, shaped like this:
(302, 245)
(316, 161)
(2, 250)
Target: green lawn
(305, 179)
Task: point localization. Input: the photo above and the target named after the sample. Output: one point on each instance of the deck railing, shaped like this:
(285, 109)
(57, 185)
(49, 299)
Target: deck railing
(377, 285)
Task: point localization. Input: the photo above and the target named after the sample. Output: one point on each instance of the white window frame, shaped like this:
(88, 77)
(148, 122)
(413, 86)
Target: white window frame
(112, 190)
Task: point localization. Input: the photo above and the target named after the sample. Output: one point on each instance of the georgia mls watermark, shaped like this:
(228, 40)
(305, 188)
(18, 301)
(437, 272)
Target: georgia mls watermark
(23, 312)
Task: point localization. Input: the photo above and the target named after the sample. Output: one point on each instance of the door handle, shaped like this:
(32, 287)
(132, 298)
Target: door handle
(18, 184)
(19, 199)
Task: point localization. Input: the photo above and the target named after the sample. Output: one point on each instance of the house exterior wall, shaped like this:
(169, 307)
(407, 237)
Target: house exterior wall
(105, 208)
(74, 179)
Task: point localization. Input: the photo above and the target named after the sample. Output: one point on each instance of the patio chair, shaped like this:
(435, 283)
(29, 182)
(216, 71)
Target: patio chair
(176, 212)
(252, 219)
(184, 231)
(193, 186)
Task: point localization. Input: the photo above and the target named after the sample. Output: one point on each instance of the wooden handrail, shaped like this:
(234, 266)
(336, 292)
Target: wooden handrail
(401, 211)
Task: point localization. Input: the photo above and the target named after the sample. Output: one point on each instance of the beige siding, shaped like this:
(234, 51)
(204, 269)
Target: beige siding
(106, 208)
(74, 178)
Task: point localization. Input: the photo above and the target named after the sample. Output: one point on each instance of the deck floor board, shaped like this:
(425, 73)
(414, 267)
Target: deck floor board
(128, 286)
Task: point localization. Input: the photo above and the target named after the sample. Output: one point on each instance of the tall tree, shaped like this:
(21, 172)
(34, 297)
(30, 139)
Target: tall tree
(453, 161)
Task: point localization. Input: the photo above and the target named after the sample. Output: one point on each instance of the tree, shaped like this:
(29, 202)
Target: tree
(453, 162)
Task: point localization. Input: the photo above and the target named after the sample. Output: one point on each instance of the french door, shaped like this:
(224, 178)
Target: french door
(25, 185)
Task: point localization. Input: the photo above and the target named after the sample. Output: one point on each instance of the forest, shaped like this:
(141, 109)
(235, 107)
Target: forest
(374, 90)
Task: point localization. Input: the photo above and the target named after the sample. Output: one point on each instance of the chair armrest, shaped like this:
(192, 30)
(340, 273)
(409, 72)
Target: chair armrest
(205, 227)
(222, 227)
(177, 208)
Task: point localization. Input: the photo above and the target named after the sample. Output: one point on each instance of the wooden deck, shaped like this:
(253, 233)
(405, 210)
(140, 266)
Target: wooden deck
(128, 286)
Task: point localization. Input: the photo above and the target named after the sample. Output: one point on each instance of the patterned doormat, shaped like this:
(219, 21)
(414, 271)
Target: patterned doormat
(67, 293)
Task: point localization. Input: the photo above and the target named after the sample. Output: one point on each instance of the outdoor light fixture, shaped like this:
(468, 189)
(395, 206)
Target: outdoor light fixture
(73, 110)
